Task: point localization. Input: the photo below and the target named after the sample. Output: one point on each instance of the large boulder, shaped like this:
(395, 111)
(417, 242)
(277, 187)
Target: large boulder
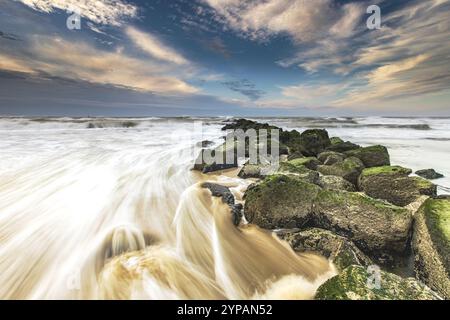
(359, 283)
(330, 157)
(373, 156)
(431, 245)
(430, 174)
(380, 229)
(314, 141)
(280, 201)
(392, 183)
(335, 183)
(341, 146)
(309, 162)
(349, 169)
(341, 251)
(259, 171)
(299, 170)
(225, 154)
(336, 140)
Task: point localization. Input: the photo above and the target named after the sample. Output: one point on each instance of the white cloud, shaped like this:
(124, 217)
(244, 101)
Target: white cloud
(107, 12)
(80, 61)
(154, 47)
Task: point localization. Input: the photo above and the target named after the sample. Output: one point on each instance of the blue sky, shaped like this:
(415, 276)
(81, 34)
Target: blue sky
(224, 57)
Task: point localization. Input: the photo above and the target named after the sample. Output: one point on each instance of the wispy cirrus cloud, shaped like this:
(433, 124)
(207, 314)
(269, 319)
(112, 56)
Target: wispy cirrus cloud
(106, 12)
(151, 45)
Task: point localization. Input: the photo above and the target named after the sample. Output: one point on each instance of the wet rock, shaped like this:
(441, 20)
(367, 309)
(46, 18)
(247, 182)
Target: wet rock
(309, 162)
(336, 140)
(379, 229)
(357, 283)
(335, 183)
(205, 144)
(259, 171)
(244, 124)
(295, 155)
(299, 171)
(374, 156)
(338, 249)
(431, 245)
(349, 169)
(225, 156)
(330, 157)
(392, 183)
(280, 201)
(343, 147)
(227, 197)
(314, 141)
(429, 174)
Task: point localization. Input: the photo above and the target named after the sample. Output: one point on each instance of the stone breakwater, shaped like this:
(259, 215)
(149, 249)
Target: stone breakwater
(351, 205)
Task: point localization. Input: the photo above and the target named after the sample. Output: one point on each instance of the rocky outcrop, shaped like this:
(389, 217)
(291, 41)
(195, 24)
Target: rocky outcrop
(431, 245)
(349, 169)
(314, 141)
(280, 201)
(374, 156)
(335, 183)
(227, 197)
(359, 283)
(379, 229)
(392, 183)
(429, 174)
(341, 251)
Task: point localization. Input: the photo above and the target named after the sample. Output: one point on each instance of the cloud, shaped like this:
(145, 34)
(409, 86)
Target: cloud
(106, 12)
(154, 47)
(302, 20)
(8, 36)
(244, 87)
(80, 61)
(216, 45)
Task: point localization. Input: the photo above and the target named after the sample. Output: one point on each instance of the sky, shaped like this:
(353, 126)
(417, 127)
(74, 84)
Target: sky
(224, 58)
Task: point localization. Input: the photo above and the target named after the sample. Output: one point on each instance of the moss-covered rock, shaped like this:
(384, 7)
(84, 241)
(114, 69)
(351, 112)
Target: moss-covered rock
(335, 183)
(359, 283)
(244, 124)
(299, 171)
(379, 229)
(373, 156)
(336, 140)
(308, 162)
(338, 249)
(330, 157)
(343, 146)
(391, 183)
(280, 201)
(349, 169)
(314, 141)
(254, 171)
(431, 245)
(225, 157)
(430, 174)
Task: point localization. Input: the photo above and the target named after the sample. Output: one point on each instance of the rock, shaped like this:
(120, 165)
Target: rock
(343, 146)
(299, 171)
(244, 124)
(338, 249)
(295, 155)
(379, 229)
(330, 157)
(280, 201)
(309, 162)
(374, 156)
(349, 169)
(391, 183)
(314, 141)
(335, 183)
(431, 245)
(205, 144)
(359, 283)
(430, 174)
(227, 198)
(259, 171)
(218, 153)
(336, 140)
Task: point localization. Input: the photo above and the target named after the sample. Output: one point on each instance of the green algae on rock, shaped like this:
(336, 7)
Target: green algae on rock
(280, 201)
(359, 283)
(349, 169)
(431, 245)
(373, 156)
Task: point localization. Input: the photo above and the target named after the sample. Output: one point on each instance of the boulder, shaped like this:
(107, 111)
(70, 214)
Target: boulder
(431, 245)
(244, 124)
(280, 201)
(374, 156)
(227, 197)
(309, 162)
(253, 171)
(314, 141)
(341, 251)
(359, 283)
(343, 146)
(392, 183)
(295, 155)
(429, 174)
(330, 157)
(335, 183)
(226, 162)
(300, 171)
(379, 229)
(349, 169)
(336, 140)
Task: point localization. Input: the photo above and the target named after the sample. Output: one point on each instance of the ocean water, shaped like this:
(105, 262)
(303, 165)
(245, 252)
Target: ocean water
(109, 209)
